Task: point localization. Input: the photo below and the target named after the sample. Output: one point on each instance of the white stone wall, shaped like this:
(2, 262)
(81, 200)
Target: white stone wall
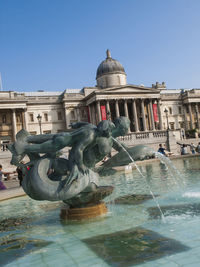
(111, 80)
(175, 117)
(53, 124)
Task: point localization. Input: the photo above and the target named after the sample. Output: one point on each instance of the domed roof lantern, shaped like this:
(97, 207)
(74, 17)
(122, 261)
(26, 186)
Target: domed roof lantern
(109, 66)
(108, 53)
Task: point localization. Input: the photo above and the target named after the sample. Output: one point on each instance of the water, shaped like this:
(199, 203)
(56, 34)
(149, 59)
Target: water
(153, 196)
(131, 233)
(175, 174)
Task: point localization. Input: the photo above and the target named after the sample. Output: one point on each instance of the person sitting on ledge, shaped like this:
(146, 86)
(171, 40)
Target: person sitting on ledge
(161, 149)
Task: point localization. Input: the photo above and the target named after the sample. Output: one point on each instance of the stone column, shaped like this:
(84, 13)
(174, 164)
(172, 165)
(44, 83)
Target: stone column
(25, 124)
(90, 113)
(126, 112)
(143, 116)
(185, 117)
(117, 108)
(93, 113)
(107, 106)
(159, 114)
(126, 108)
(197, 114)
(78, 114)
(190, 113)
(135, 115)
(108, 110)
(67, 122)
(98, 111)
(151, 113)
(14, 126)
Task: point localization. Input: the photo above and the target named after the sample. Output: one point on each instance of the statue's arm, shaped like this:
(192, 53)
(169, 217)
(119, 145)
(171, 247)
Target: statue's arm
(40, 138)
(76, 125)
(53, 145)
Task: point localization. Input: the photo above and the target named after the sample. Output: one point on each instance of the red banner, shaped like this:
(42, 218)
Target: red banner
(155, 113)
(103, 113)
(88, 114)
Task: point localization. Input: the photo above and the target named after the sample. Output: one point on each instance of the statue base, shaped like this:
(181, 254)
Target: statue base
(83, 213)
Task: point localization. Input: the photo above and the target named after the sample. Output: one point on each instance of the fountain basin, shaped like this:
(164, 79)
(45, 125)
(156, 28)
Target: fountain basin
(130, 233)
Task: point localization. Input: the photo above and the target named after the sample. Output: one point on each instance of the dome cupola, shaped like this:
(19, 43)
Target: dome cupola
(110, 73)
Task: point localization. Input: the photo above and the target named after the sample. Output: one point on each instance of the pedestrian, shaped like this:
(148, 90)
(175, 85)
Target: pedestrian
(20, 175)
(183, 134)
(184, 150)
(192, 148)
(2, 186)
(161, 149)
(198, 148)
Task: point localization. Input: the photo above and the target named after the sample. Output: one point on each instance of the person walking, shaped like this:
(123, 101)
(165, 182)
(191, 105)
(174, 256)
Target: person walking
(20, 175)
(198, 148)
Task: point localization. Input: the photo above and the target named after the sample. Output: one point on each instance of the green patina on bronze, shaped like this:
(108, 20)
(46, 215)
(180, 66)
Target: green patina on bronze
(53, 178)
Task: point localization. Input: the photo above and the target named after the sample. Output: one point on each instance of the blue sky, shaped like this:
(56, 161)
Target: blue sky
(53, 45)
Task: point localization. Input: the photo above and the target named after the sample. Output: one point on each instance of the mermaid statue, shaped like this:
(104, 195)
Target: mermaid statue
(48, 176)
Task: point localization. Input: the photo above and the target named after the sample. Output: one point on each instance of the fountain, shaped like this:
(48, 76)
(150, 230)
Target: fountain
(71, 180)
(128, 232)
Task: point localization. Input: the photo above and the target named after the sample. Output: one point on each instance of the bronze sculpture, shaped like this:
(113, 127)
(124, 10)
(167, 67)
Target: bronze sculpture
(55, 178)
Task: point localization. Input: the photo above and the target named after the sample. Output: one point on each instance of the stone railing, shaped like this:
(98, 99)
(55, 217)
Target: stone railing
(151, 137)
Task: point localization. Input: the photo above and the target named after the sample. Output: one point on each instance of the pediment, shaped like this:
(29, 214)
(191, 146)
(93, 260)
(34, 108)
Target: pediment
(130, 89)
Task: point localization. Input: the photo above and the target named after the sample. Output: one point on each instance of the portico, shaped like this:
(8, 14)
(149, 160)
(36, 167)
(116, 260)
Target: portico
(142, 107)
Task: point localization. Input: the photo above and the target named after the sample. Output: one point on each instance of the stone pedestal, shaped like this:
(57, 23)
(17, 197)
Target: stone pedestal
(87, 212)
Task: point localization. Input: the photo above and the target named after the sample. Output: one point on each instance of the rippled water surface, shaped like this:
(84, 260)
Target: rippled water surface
(132, 233)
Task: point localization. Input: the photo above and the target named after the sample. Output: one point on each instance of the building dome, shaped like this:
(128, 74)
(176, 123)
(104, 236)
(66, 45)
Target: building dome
(110, 73)
(109, 65)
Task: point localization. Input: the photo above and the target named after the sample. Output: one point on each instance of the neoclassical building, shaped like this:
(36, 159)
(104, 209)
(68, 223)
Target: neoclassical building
(150, 109)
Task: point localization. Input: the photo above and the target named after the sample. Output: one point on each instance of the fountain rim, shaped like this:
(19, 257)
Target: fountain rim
(13, 194)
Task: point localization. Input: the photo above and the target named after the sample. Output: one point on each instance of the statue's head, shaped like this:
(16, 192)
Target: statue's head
(105, 128)
(122, 125)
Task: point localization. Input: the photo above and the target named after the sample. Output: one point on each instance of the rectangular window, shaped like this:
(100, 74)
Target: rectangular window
(59, 113)
(31, 117)
(4, 118)
(33, 133)
(179, 110)
(171, 125)
(45, 117)
(83, 113)
(18, 118)
(72, 115)
(170, 110)
(47, 132)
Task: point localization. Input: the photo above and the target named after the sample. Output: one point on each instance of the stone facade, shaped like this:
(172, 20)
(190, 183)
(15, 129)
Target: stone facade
(112, 97)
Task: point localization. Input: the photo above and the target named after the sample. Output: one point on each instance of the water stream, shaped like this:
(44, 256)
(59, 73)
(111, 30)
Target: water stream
(175, 174)
(151, 192)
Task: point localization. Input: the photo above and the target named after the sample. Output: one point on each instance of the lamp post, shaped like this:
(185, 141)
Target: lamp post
(39, 117)
(166, 113)
(167, 143)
